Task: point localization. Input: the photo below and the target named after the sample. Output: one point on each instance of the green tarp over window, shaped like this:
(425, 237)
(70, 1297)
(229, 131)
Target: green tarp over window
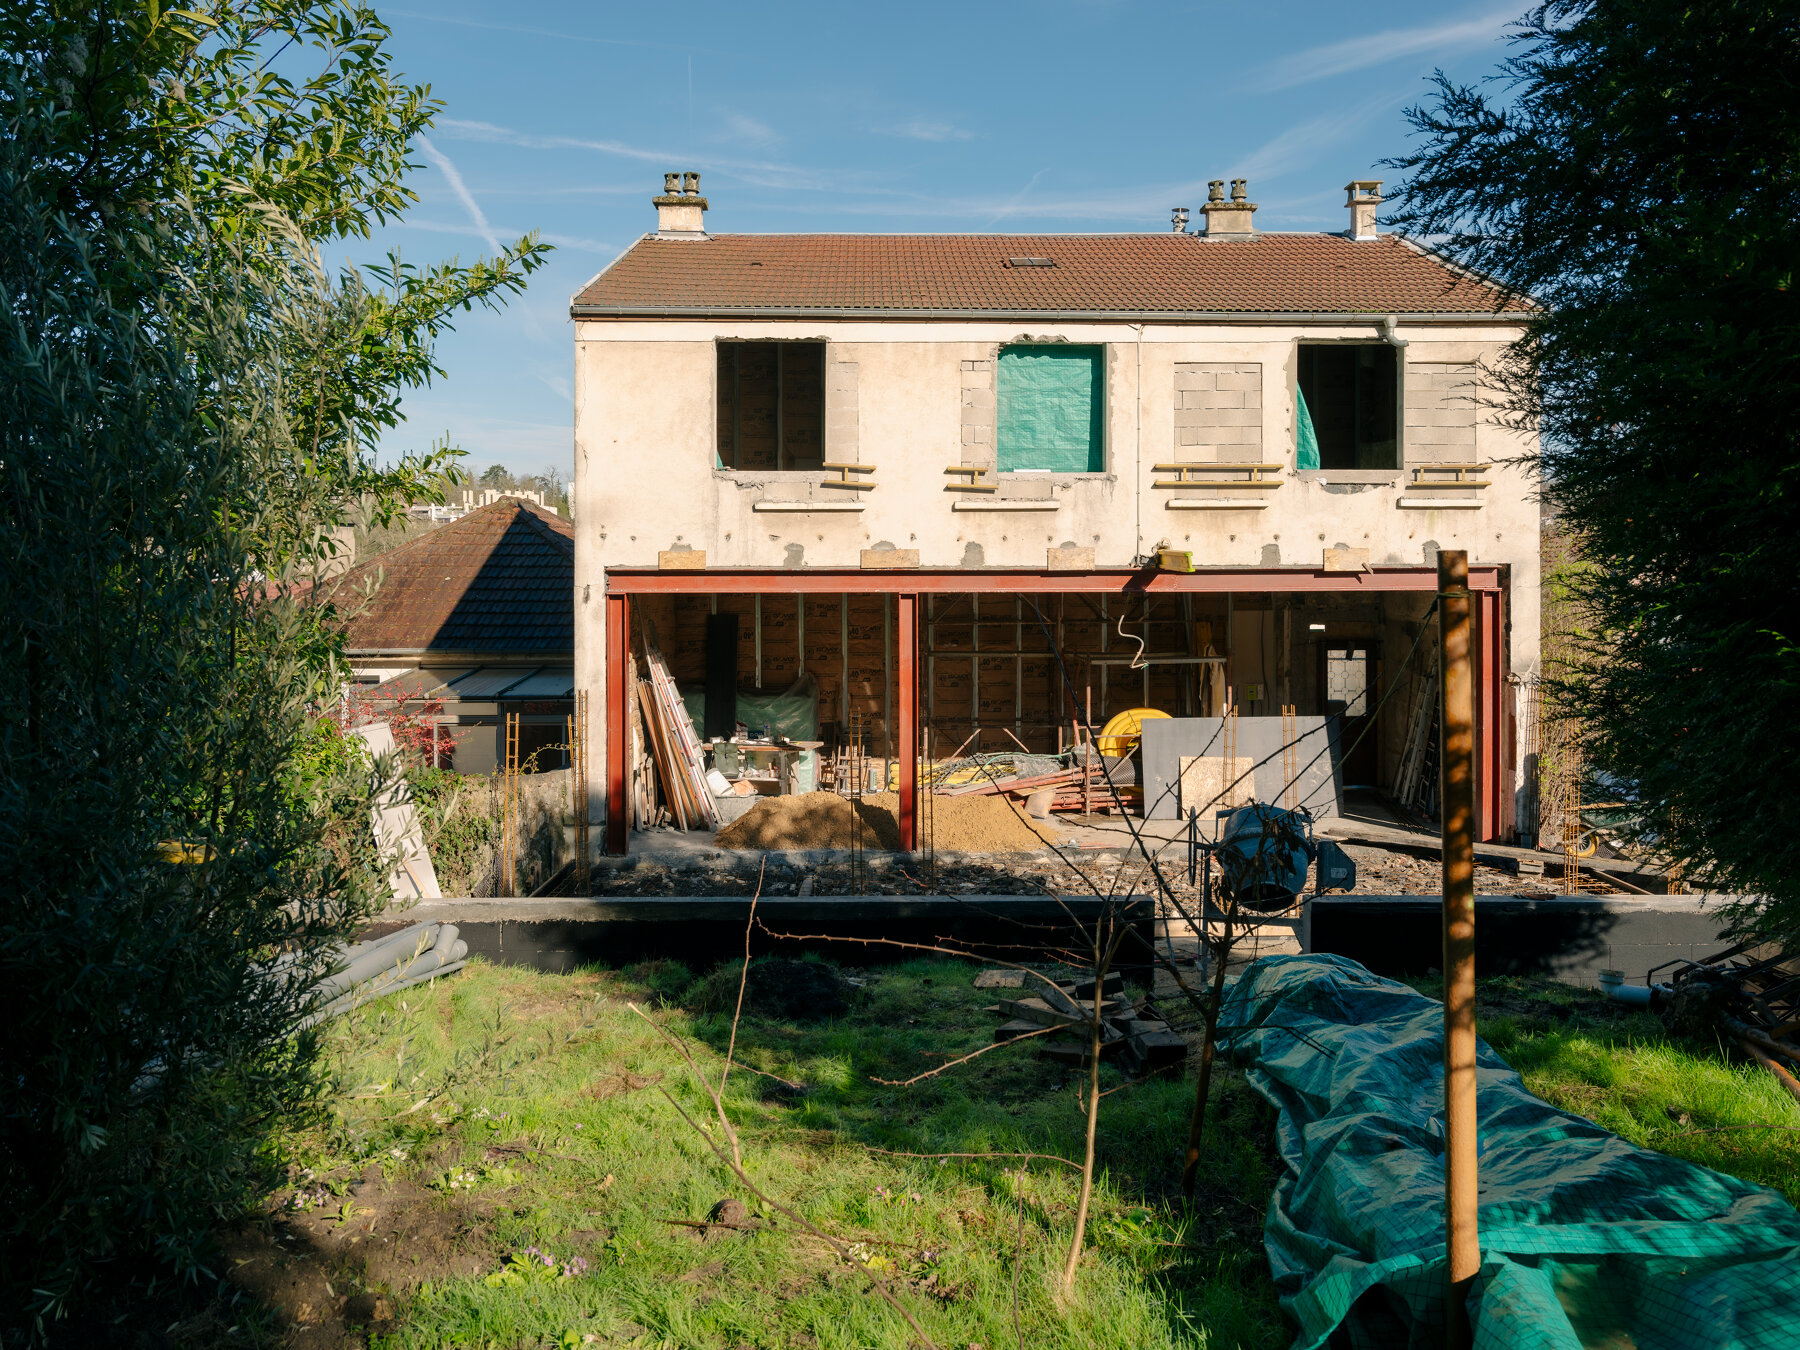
(1306, 449)
(1050, 409)
(1587, 1242)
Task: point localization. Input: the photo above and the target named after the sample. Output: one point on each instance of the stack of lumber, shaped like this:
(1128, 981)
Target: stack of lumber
(1072, 792)
(1130, 1032)
(680, 763)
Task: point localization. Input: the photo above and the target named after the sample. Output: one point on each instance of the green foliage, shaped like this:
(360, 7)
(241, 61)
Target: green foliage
(188, 413)
(460, 822)
(1639, 179)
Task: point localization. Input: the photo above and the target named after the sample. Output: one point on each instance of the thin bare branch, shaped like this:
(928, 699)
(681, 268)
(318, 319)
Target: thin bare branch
(1047, 1157)
(744, 975)
(976, 1054)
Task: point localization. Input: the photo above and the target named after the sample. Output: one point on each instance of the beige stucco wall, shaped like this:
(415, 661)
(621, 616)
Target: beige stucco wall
(645, 432)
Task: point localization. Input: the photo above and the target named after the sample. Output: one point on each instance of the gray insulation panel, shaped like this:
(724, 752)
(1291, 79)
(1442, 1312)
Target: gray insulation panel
(1316, 755)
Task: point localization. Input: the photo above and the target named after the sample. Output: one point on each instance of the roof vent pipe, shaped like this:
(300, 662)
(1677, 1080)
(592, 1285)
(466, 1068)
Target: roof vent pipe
(681, 210)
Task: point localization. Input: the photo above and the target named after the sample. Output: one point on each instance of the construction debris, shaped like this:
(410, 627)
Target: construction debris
(362, 971)
(1132, 1032)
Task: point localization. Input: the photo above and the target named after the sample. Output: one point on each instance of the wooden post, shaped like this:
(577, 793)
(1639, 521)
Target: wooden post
(1457, 798)
(909, 722)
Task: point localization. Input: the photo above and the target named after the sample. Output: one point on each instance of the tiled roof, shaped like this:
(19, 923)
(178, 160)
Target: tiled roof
(1093, 273)
(500, 580)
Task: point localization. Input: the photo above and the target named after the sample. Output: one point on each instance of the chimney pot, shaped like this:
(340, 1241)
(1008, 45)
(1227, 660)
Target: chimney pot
(1363, 196)
(1229, 219)
(681, 210)
(1179, 216)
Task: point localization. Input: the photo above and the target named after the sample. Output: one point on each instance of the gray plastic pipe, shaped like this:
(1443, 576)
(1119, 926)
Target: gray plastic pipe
(1612, 984)
(366, 960)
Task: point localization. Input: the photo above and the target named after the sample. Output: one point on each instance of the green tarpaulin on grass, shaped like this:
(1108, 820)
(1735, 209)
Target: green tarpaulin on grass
(1587, 1241)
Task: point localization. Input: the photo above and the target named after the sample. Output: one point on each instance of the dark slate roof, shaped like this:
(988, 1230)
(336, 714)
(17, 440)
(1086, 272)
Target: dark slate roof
(952, 274)
(500, 580)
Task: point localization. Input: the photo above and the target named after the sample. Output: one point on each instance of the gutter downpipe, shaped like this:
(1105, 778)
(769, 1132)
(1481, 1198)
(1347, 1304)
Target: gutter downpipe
(1137, 482)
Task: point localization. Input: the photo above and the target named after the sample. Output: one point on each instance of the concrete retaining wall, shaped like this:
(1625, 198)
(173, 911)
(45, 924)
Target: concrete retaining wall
(1571, 938)
(561, 934)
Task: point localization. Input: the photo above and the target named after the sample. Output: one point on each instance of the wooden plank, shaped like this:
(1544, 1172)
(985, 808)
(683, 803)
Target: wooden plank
(1206, 783)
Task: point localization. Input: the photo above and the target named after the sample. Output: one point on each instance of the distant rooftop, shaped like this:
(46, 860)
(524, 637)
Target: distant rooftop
(500, 581)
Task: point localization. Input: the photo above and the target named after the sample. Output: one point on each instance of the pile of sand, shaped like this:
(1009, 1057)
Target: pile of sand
(825, 820)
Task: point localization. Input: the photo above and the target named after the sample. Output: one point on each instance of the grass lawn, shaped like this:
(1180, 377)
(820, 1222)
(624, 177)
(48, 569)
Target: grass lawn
(503, 1118)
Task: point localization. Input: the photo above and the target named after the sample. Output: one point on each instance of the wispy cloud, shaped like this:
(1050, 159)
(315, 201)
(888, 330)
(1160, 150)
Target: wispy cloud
(548, 32)
(463, 195)
(1012, 204)
(1377, 49)
(569, 241)
(744, 128)
(762, 173)
(919, 129)
(1304, 144)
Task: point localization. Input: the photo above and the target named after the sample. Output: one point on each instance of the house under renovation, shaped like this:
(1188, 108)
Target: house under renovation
(993, 490)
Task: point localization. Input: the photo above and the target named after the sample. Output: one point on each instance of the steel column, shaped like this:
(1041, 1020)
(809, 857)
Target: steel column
(1491, 782)
(909, 721)
(618, 669)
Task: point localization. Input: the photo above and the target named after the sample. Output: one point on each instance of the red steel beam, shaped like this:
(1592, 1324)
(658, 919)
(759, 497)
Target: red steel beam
(1025, 581)
(908, 747)
(1492, 782)
(618, 665)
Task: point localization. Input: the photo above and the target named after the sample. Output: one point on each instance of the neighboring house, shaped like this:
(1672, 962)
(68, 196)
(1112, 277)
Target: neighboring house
(458, 502)
(935, 472)
(468, 623)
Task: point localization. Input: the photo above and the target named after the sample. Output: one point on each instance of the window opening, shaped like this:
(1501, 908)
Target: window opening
(1347, 680)
(1348, 398)
(771, 399)
(1050, 409)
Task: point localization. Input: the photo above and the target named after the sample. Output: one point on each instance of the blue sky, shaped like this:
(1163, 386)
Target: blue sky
(1080, 115)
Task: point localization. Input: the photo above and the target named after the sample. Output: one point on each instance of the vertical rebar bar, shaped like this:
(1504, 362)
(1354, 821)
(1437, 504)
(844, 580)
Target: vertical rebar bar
(578, 764)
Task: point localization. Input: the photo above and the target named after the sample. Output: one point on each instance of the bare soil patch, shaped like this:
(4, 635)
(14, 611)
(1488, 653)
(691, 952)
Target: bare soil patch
(826, 820)
(330, 1272)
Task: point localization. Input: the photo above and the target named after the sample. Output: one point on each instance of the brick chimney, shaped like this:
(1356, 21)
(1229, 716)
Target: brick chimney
(1229, 219)
(681, 210)
(1364, 197)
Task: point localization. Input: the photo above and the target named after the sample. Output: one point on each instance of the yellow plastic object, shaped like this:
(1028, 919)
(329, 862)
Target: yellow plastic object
(1121, 735)
(180, 851)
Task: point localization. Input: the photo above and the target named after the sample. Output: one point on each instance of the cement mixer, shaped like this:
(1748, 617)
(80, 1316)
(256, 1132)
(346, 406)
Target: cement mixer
(1263, 855)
